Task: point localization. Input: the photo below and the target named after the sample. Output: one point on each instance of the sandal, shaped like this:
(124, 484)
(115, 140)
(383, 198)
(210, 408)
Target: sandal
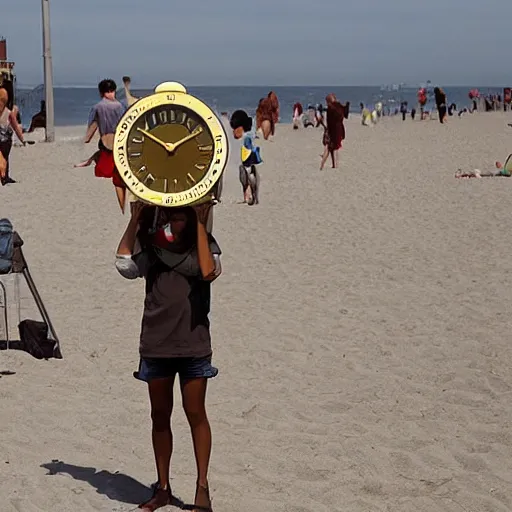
(206, 505)
(161, 498)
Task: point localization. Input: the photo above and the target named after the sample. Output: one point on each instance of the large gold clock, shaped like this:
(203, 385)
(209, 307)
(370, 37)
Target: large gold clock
(170, 148)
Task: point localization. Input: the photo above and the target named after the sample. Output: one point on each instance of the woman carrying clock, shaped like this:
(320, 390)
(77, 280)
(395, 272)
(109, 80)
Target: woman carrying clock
(179, 260)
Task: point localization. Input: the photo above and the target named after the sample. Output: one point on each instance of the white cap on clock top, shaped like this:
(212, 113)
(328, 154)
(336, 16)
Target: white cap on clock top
(170, 87)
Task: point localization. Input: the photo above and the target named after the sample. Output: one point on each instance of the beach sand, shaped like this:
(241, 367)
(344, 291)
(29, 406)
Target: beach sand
(361, 330)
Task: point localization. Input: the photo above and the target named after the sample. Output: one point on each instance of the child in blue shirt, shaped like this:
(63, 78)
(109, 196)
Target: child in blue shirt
(241, 124)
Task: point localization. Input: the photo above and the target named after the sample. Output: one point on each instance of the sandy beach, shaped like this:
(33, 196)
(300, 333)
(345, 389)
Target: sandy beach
(360, 328)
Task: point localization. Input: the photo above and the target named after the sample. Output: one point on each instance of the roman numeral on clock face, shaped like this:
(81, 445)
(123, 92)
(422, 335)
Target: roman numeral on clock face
(149, 180)
(163, 117)
(204, 158)
(191, 124)
(151, 120)
(142, 172)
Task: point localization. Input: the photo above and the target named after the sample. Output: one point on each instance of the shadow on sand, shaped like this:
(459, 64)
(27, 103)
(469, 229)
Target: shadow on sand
(116, 486)
(3, 346)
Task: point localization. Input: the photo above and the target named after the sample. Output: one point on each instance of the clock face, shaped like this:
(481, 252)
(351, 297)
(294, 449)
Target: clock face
(170, 149)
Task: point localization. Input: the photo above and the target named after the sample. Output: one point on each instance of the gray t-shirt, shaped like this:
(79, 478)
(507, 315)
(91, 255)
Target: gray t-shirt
(175, 321)
(107, 114)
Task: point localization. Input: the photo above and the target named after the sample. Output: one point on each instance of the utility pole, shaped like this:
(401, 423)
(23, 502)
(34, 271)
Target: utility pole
(48, 73)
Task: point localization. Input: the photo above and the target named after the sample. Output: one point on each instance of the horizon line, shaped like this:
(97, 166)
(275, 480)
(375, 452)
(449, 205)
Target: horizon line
(145, 87)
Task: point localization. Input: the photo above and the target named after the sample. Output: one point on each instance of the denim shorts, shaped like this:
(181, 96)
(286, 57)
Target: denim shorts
(186, 367)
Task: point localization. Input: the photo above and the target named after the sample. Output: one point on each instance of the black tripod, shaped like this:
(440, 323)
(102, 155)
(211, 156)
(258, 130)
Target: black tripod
(19, 266)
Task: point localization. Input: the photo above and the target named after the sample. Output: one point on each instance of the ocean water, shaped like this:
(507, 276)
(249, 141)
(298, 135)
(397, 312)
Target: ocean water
(72, 105)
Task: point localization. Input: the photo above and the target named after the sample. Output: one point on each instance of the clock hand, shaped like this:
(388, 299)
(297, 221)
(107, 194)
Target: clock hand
(195, 133)
(154, 139)
(171, 146)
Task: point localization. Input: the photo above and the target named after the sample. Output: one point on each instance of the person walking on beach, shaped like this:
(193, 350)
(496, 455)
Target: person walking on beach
(105, 116)
(440, 97)
(241, 124)
(297, 115)
(403, 110)
(182, 260)
(8, 125)
(335, 132)
(265, 118)
(274, 105)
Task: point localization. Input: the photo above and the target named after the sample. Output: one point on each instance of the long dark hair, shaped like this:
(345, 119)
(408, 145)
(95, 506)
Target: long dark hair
(439, 95)
(9, 87)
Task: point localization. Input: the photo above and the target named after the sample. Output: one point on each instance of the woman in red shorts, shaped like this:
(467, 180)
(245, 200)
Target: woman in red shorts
(104, 117)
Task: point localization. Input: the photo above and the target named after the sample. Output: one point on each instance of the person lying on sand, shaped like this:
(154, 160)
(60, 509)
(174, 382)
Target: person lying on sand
(477, 173)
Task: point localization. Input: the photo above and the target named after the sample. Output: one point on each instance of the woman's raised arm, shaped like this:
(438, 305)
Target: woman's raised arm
(127, 243)
(210, 270)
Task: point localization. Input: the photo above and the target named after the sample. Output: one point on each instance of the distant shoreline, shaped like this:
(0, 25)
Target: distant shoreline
(26, 87)
(73, 104)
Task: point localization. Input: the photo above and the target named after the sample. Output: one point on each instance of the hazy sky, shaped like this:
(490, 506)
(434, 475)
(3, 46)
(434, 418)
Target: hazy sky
(264, 42)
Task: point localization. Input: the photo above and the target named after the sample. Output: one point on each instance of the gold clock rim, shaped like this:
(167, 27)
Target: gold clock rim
(220, 141)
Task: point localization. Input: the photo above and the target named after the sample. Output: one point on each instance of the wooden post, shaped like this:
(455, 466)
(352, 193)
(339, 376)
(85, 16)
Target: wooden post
(48, 73)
